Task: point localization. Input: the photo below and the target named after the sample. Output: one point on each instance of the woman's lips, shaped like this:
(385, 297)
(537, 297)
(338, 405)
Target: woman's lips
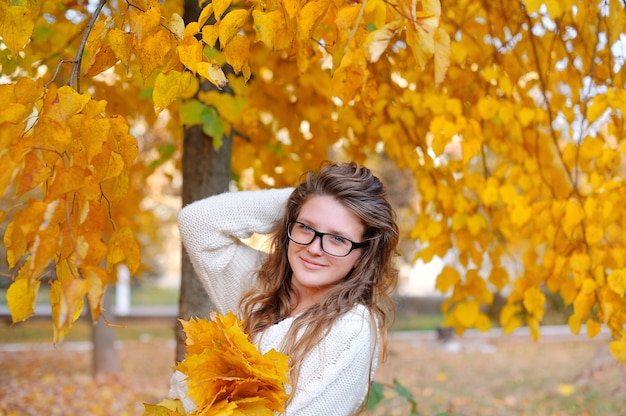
(310, 264)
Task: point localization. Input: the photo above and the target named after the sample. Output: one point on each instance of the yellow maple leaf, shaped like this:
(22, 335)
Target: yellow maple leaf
(226, 374)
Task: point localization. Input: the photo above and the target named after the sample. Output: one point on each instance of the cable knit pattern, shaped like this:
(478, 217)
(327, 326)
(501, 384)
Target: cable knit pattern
(335, 374)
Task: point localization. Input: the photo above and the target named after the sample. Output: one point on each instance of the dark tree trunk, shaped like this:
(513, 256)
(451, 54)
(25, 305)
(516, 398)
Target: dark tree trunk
(206, 171)
(105, 358)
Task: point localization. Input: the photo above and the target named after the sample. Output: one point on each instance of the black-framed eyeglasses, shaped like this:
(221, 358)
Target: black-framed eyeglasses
(332, 244)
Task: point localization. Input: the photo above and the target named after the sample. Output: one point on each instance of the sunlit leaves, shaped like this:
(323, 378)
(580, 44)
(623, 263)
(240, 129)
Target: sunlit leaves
(75, 156)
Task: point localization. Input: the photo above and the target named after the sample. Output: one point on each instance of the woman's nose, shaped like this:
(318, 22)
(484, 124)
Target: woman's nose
(316, 246)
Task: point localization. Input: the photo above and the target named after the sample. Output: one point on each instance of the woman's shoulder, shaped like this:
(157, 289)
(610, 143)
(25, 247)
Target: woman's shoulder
(356, 322)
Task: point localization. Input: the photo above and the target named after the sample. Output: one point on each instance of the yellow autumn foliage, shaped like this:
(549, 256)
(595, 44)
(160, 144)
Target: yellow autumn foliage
(509, 117)
(226, 374)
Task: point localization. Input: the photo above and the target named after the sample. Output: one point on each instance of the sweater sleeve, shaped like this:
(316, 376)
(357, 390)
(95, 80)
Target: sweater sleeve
(335, 376)
(211, 230)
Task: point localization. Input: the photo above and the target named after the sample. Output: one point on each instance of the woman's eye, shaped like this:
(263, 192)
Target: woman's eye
(305, 227)
(339, 240)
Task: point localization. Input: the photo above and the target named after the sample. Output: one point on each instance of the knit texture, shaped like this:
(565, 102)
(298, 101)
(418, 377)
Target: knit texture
(335, 374)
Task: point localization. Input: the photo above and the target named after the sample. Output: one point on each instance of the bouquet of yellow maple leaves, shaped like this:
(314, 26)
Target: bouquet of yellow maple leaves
(226, 374)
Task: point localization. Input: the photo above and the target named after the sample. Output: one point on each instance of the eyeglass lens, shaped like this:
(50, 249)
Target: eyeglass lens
(332, 244)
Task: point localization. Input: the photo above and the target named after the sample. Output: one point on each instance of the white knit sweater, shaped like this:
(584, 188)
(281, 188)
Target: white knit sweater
(335, 374)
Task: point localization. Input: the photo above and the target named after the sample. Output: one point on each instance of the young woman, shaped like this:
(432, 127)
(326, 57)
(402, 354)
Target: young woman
(322, 292)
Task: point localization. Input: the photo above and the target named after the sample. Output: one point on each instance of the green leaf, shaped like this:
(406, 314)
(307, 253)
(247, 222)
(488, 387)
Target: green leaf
(212, 126)
(376, 395)
(191, 112)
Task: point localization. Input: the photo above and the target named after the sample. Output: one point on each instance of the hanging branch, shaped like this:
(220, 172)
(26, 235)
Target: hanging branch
(74, 80)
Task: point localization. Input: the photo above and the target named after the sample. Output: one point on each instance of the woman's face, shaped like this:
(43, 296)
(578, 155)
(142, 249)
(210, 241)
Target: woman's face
(314, 271)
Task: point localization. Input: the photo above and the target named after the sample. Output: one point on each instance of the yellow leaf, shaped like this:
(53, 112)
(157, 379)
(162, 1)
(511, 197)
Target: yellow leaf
(526, 116)
(509, 318)
(33, 173)
(566, 389)
(447, 279)
(205, 14)
(488, 108)
(498, 277)
(177, 25)
(120, 188)
(594, 234)
(593, 328)
(379, 39)
(220, 7)
(115, 166)
(617, 281)
(143, 24)
(618, 349)
(169, 86)
(153, 52)
(309, 15)
(190, 53)
(97, 278)
(291, 7)
(225, 371)
(267, 26)
(231, 24)
(213, 72)
(575, 323)
(21, 298)
(521, 214)
(123, 247)
(476, 223)
(580, 262)
(63, 103)
(16, 26)
(534, 301)
(574, 214)
(121, 44)
(532, 6)
(66, 181)
(237, 52)
(466, 313)
(210, 34)
(67, 301)
(442, 55)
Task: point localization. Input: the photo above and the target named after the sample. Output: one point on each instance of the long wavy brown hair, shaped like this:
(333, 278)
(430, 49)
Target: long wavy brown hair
(370, 282)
